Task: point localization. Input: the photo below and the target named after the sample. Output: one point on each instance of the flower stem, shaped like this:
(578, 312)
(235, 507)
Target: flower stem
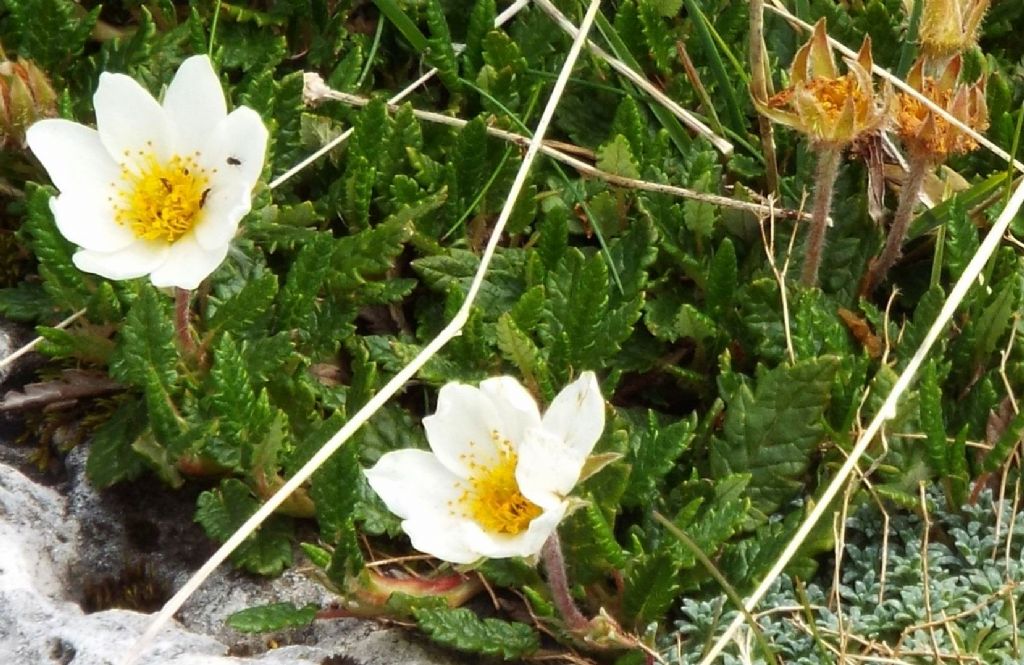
(825, 181)
(900, 223)
(181, 321)
(558, 581)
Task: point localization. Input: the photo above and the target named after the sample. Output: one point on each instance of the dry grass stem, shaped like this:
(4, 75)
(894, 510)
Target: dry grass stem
(639, 81)
(375, 403)
(760, 88)
(21, 351)
(887, 412)
(778, 8)
(317, 90)
(501, 19)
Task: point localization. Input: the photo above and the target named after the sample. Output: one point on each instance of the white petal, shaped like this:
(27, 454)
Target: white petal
(73, 155)
(527, 543)
(135, 260)
(442, 537)
(89, 223)
(236, 148)
(462, 430)
(548, 469)
(413, 482)
(130, 120)
(194, 103)
(577, 414)
(516, 405)
(224, 208)
(187, 264)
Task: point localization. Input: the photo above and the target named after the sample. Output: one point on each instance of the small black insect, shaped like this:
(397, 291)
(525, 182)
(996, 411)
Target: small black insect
(234, 161)
(202, 199)
(166, 183)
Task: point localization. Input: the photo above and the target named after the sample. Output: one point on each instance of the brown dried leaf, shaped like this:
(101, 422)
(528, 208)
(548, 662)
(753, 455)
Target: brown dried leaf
(861, 330)
(73, 385)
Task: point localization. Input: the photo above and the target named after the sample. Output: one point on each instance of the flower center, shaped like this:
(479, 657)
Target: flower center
(161, 200)
(831, 94)
(492, 498)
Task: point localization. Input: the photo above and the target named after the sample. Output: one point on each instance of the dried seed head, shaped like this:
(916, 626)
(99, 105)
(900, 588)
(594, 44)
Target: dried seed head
(832, 109)
(924, 132)
(949, 27)
(25, 96)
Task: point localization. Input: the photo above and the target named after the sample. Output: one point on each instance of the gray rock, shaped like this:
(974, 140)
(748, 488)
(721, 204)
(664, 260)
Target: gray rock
(50, 543)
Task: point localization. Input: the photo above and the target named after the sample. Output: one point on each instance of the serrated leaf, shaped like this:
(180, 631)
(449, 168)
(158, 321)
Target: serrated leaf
(439, 52)
(616, 157)
(146, 342)
(650, 587)
(111, 457)
(770, 431)
(932, 424)
(722, 279)
(63, 282)
(700, 217)
(272, 617)
(221, 511)
(578, 301)
(238, 313)
(461, 629)
(588, 541)
(653, 451)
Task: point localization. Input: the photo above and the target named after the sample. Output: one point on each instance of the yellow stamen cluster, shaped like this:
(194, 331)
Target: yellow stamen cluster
(491, 497)
(832, 109)
(926, 133)
(161, 200)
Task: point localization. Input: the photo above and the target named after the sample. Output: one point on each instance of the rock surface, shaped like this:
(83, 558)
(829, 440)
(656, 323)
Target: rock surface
(50, 544)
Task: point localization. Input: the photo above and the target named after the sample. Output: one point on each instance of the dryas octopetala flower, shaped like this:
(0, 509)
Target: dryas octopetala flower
(25, 96)
(832, 109)
(950, 26)
(156, 189)
(497, 481)
(926, 134)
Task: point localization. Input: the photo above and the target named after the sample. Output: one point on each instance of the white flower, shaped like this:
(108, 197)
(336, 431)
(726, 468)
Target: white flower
(154, 190)
(497, 481)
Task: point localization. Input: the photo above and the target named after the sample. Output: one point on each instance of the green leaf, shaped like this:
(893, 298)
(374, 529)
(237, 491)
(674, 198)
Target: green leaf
(401, 20)
(771, 431)
(26, 302)
(653, 451)
(238, 313)
(272, 617)
(440, 52)
(650, 587)
(517, 347)
(63, 282)
(578, 301)
(700, 217)
(722, 280)
(461, 629)
(932, 423)
(51, 32)
(616, 157)
(146, 342)
(111, 457)
(481, 22)
(588, 540)
(221, 511)
(297, 299)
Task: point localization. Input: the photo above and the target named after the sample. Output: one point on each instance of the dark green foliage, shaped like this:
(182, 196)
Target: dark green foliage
(731, 399)
(771, 430)
(221, 511)
(272, 617)
(461, 629)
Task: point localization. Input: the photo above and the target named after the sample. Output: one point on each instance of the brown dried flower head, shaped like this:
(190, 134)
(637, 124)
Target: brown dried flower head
(924, 132)
(832, 109)
(25, 96)
(950, 26)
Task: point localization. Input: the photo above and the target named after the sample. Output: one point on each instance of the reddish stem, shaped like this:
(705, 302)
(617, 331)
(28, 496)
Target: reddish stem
(558, 582)
(181, 321)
